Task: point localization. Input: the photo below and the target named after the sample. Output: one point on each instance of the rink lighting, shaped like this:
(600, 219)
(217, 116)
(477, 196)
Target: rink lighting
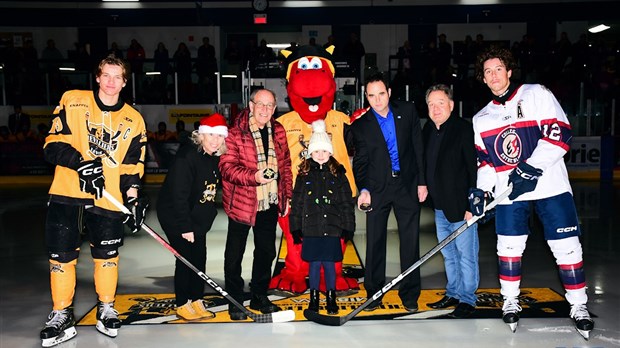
(598, 28)
(229, 76)
(120, 0)
(153, 73)
(66, 69)
(279, 46)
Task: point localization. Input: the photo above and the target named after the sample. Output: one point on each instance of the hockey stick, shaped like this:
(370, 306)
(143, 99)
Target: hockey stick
(338, 321)
(276, 317)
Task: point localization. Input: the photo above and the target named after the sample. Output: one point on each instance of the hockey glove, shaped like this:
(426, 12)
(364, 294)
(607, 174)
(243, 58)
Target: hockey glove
(523, 179)
(91, 177)
(137, 207)
(478, 200)
(347, 235)
(296, 236)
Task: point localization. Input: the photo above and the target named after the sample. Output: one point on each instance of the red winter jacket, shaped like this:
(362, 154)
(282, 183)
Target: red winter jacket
(239, 164)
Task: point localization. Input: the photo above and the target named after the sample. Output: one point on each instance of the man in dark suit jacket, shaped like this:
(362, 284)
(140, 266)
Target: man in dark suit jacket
(18, 120)
(450, 162)
(389, 172)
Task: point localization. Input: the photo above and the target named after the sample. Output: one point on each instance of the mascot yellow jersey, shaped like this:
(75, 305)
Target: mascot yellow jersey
(298, 133)
(84, 129)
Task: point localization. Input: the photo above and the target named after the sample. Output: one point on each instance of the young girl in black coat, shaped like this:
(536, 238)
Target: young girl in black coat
(321, 213)
(186, 210)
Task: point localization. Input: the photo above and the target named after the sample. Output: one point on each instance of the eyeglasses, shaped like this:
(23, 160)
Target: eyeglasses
(269, 106)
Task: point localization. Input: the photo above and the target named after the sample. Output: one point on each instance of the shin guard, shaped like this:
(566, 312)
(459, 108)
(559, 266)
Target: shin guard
(62, 283)
(106, 278)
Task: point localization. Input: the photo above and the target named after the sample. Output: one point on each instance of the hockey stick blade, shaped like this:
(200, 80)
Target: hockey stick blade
(276, 317)
(338, 321)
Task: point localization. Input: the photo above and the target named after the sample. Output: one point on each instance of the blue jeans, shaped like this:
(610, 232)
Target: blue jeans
(460, 259)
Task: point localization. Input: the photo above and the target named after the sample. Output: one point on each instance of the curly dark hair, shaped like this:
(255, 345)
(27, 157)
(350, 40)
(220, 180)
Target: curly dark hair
(304, 166)
(502, 54)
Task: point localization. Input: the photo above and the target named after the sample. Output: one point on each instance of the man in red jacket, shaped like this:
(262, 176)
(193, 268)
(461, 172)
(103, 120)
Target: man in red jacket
(257, 185)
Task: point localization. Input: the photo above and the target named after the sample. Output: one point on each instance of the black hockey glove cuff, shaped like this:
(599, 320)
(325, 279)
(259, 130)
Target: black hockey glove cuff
(91, 177)
(137, 207)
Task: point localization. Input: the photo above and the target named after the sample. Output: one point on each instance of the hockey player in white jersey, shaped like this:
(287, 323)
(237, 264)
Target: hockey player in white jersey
(521, 137)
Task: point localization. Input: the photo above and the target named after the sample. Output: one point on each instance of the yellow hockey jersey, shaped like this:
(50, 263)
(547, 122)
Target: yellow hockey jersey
(298, 134)
(84, 129)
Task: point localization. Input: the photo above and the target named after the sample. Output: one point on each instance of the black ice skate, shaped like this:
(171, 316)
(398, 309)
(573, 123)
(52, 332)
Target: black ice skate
(581, 317)
(511, 311)
(107, 319)
(59, 327)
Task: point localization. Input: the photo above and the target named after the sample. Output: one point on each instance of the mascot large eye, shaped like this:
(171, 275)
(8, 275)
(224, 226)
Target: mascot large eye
(305, 64)
(315, 63)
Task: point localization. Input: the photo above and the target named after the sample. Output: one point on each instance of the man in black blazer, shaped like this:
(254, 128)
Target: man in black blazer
(450, 162)
(389, 172)
(18, 120)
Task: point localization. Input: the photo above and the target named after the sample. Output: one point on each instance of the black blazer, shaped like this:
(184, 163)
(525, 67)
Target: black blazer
(456, 167)
(372, 167)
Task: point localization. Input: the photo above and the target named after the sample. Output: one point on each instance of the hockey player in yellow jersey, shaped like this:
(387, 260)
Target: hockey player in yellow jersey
(97, 142)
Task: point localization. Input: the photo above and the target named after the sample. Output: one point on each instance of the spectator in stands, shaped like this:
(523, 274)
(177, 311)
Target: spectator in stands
(51, 57)
(444, 58)
(136, 56)
(163, 134)
(182, 136)
(265, 54)
(6, 136)
(206, 67)
(232, 56)
(115, 50)
(24, 133)
(182, 59)
(353, 52)
(82, 58)
(17, 119)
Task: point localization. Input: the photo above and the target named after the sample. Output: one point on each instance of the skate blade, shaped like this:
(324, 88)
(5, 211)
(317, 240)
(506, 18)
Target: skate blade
(64, 336)
(106, 331)
(584, 333)
(513, 326)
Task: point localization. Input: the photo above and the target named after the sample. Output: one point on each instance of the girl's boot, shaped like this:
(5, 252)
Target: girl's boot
(332, 307)
(314, 300)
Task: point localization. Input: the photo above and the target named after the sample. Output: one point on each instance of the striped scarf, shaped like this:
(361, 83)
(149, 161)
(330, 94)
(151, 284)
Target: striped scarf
(267, 194)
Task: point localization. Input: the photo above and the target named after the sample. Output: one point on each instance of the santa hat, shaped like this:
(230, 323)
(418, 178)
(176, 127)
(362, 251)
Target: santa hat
(320, 139)
(214, 124)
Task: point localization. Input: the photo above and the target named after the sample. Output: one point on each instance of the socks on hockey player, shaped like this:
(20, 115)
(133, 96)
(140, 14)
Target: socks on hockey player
(62, 283)
(106, 278)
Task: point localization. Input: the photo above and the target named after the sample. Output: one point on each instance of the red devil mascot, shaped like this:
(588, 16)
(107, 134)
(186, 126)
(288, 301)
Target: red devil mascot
(311, 90)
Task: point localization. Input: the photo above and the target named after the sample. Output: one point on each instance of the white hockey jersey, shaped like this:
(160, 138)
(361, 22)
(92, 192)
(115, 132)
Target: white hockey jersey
(532, 127)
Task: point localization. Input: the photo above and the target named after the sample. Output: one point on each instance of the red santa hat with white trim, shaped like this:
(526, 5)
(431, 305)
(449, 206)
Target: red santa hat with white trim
(214, 124)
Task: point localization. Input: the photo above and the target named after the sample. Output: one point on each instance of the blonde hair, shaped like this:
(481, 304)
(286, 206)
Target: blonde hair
(195, 138)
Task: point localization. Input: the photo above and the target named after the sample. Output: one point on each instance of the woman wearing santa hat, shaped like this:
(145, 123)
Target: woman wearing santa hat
(186, 210)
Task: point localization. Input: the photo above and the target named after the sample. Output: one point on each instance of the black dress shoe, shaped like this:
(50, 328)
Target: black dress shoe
(445, 302)
(261, 303)
(462, 310)
(236, 313)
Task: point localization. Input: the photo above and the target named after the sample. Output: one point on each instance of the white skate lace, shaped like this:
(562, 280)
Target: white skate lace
(579, 312)
(511, 305)
(57, 318)
(108, 311)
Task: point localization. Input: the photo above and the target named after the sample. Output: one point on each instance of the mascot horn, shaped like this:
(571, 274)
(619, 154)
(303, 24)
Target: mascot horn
(311, 90)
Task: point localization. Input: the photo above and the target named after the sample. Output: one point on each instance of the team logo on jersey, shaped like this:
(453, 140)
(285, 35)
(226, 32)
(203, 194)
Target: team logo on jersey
(102, 140)
(508, 146)
(519, 111)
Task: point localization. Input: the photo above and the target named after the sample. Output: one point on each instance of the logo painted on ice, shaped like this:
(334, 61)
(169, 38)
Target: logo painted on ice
(508, 146)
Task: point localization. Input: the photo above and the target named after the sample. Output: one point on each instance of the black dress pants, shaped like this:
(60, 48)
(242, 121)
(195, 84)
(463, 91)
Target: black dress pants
(264, 253)
(187, 284)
